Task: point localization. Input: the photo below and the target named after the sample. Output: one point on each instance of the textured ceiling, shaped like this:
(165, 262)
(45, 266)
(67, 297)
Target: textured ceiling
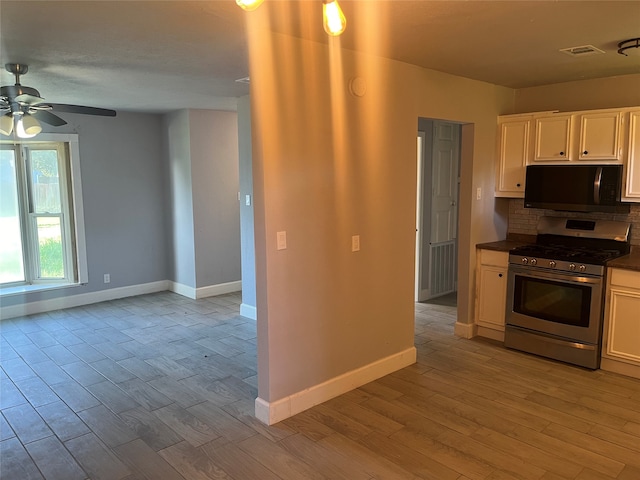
(160, 56)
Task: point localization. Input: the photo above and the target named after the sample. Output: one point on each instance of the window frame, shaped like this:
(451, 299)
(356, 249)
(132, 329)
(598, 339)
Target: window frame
(76, 270)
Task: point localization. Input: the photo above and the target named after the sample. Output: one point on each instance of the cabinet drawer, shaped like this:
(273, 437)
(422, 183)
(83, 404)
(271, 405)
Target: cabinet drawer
(492, 257)
(624, 278)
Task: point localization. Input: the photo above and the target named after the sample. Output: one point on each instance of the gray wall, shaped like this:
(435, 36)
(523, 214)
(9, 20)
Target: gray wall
(181, 235)
(123, 180)
(160, 197)
(247, 244)
(214, 178)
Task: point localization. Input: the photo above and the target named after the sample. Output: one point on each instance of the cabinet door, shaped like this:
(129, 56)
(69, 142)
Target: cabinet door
(553, 138)
(492, 296)
(632, 167)
(514, 148)
(623, 337)
(599, 136)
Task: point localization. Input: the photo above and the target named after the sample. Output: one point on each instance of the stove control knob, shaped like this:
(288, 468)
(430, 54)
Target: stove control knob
(552, 264)
(582, 268)
(525, 260)
(533, 261)
(572, 266)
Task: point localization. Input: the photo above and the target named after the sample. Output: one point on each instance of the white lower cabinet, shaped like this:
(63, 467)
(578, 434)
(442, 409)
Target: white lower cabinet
(491, 292)
(621, 343)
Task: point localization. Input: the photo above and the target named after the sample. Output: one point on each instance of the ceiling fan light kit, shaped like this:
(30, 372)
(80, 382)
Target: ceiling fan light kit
(6, 125)
(629, 47)
(22, 108)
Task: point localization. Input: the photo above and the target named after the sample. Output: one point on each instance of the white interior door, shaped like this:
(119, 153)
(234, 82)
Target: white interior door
(444, 208)
(422, 286)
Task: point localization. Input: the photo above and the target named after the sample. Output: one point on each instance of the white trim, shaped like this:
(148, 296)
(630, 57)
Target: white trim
(203, 292)
(248, 311)
(78, 208)
(183, 290)
(465, 330)
(622, 368)
(276, 411)
(219, 289)
(71, 301)
(492, 333)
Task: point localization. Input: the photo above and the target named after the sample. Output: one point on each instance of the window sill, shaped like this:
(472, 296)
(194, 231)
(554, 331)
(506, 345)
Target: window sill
(22, 289)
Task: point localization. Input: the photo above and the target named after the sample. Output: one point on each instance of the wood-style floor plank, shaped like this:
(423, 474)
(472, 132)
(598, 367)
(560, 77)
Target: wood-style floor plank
(160, 386)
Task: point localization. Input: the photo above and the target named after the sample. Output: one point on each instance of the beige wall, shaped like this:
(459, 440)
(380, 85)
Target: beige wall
(612, 92)
(329, 165)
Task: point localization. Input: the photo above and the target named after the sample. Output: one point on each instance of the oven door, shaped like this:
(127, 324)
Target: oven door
(555, 303)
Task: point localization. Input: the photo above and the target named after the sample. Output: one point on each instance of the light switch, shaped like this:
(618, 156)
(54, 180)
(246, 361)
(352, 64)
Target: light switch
(355, 243)
(247, 200)
(281, 240)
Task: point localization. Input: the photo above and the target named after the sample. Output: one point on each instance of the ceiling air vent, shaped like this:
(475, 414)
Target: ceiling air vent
(582, 51)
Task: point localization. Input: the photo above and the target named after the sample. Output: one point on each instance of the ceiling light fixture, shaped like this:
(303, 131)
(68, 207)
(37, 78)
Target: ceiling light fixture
(27, 126)
(249, 5)
(333, 18)
(629, 47)
(6, 124)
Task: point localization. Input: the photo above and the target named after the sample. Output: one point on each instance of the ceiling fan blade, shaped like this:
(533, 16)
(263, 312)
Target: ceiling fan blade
(27, 99)
(61, 107)
(48, 117)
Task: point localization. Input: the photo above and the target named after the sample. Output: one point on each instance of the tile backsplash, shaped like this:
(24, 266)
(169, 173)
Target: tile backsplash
(524, 220)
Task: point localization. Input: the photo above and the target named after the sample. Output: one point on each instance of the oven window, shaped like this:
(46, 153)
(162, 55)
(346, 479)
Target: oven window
(557, 302)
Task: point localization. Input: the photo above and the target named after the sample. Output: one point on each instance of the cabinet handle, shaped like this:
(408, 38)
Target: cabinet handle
(585, 153)
(517, 184)
(562, 154)
(500, 275)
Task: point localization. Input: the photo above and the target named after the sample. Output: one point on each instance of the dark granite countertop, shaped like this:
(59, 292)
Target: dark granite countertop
(512, 241)
(627, 262)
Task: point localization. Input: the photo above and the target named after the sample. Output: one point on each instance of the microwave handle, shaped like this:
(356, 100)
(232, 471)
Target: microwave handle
(597, 183)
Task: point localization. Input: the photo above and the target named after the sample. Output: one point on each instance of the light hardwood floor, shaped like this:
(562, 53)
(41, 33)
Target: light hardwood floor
(162, 387)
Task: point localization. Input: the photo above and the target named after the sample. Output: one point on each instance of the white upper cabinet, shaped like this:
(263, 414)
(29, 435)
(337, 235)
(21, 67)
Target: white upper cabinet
(632, 163)
(600, 136)
(590, 136)
(553, 138)
(513, 138)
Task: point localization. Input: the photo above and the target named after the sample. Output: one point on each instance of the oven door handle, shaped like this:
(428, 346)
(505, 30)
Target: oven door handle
(560, 277)
(597, 183)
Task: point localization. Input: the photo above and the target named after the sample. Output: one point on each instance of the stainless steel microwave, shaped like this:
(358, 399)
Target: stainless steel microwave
(575, 188)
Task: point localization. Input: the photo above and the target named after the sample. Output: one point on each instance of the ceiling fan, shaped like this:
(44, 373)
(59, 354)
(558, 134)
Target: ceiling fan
(23, 108)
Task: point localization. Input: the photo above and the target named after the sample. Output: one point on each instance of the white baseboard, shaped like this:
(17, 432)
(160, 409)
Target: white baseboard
(183, 290)
(70, 301)
(219, 289)
(491, 333)
(274, 412)
(248, 311)
(465, 330)
(81, 299)
(622, 368)
(203, 292)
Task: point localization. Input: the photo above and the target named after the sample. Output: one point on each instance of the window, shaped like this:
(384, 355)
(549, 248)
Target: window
(42, 241)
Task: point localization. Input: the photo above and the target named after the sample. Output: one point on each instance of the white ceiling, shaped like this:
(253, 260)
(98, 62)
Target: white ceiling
(160, 56)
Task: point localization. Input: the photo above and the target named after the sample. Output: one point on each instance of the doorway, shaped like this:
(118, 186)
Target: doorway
(438, 181)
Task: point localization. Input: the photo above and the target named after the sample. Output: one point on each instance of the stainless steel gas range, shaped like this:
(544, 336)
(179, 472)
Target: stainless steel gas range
(555, 288)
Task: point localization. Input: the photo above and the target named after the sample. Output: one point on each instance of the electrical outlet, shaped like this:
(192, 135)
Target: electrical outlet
(355, 243)
(107, 278)
(479, 193)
